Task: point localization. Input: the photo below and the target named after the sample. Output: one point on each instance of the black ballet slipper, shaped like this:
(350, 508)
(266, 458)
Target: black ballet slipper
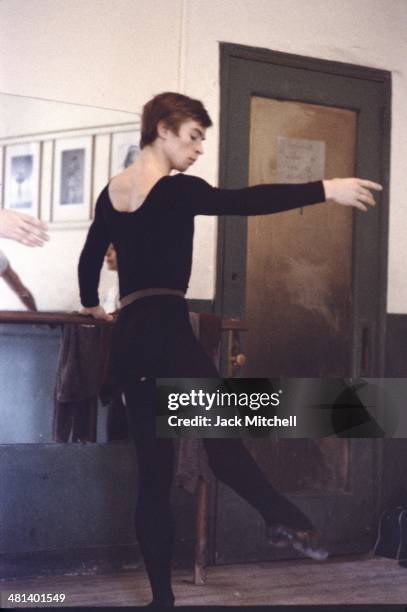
(304, 541)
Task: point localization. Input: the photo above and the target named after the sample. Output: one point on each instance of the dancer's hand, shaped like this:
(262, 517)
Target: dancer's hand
(23, 228)
(351, 192)
(97, 312)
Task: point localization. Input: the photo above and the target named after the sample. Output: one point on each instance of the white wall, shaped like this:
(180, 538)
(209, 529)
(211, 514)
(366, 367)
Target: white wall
(22, 115)
(98, 52)
(117, 54)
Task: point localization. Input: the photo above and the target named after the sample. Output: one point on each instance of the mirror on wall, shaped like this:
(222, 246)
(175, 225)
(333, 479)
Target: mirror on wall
(55, 158)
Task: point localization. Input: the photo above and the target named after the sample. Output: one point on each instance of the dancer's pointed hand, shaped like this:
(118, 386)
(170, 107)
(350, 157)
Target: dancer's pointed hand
(351, 192)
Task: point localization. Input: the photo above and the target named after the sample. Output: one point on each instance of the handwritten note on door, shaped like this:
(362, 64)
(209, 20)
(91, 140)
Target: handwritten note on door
(300, 160)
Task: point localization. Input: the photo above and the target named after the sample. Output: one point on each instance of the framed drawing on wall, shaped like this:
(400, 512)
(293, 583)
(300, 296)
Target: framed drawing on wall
(21, 177)
(72, 179)
(124, 150)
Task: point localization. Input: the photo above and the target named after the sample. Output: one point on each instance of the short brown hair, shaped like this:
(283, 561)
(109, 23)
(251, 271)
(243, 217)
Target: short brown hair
(173, 109)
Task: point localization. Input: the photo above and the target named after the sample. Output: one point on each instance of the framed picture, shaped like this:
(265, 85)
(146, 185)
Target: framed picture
(21, 177)
(124, 150)
(72, 179)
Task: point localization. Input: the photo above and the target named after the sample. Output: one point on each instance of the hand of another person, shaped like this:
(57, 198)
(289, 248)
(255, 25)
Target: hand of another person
(23, 228)
(351, 192)
(97, 312)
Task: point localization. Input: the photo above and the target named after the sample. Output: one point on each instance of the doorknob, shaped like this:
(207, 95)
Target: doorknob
(236, 358)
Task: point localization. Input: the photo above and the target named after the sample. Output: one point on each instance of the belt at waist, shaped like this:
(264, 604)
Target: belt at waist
(141, 293)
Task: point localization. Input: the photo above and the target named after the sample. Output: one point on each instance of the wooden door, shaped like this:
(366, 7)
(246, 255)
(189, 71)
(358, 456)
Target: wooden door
(311, 283)
(299, 263)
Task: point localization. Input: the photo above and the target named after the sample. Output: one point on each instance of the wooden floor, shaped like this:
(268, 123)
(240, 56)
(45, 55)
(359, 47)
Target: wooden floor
(340, 580)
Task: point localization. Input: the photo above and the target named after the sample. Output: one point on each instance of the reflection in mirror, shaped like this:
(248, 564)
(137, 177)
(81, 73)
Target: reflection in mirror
(55, 158)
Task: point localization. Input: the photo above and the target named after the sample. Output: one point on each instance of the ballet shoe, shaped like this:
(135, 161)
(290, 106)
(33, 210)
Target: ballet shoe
(304, 541)
(276, 537)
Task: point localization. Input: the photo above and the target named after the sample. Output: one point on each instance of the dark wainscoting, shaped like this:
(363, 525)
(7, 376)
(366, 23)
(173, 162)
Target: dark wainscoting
(394, 480)
(396, 346)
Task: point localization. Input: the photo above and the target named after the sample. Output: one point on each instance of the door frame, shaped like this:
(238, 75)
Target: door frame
(230, 52)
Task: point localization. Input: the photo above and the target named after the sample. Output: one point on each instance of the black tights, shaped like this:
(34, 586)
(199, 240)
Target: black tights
(153, 337)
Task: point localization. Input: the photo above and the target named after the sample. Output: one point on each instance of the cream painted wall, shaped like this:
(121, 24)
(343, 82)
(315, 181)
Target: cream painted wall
(107, 53)
(117, 54)
(21, 115)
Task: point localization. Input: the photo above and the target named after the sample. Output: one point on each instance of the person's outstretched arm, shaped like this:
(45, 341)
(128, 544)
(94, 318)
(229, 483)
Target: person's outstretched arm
(90, 264)
(203, 199)
(14, 282)
(23, 228)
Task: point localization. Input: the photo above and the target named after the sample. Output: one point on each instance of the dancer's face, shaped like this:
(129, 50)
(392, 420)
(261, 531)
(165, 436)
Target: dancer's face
(184, 148)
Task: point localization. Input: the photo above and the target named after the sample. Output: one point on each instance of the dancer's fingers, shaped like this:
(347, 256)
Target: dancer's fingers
(370, 184)
(366, 197)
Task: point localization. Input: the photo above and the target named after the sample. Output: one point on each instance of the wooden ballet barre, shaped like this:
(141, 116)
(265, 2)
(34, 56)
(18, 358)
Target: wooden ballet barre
(233, 327)
(59, 317)
(48, 318)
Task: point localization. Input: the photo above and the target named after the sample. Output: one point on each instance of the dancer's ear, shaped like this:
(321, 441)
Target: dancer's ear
(162, 129)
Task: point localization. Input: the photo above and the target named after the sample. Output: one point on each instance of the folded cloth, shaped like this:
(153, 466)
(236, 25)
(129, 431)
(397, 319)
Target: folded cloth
(81, 362)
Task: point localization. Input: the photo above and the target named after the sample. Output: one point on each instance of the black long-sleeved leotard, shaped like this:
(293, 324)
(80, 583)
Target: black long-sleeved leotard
(154, 243)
